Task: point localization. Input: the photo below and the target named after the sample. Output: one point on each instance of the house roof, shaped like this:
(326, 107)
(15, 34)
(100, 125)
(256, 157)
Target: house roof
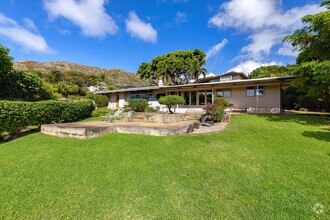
(234, 82)
(232, 73)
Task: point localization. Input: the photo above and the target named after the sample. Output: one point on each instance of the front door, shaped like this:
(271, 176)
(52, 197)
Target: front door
(117, 102)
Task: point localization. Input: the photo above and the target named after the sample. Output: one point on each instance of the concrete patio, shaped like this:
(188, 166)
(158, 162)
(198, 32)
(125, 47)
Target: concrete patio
(85, 130)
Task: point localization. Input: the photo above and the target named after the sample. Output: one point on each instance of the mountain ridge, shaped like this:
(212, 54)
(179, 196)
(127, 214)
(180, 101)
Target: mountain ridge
(115, 76)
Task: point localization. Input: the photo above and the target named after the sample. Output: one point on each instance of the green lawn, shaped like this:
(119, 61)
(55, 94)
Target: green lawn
(261, 167)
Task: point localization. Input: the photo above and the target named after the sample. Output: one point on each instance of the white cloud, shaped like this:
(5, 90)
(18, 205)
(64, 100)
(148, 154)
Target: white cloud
(29, 24)
(262, 43)
(248, 66)
(264, 21)
(287, 50)
(30, 41)
(216, 49)
(139, 29)
(181, 17)
(207, 75)
(89, 15)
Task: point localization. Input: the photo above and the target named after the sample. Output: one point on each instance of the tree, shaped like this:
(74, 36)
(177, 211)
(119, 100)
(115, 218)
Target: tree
(6, 61)
(313, 41)
(270, 71)
(174, 68)
(171, 100)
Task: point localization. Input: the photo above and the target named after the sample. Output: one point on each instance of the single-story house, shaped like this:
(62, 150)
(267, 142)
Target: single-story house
(261, 95)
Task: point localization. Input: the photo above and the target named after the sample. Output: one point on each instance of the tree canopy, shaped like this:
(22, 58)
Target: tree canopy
(6, 61)
(313, 41)
(269, 71)
(174, 68)
(313, 61)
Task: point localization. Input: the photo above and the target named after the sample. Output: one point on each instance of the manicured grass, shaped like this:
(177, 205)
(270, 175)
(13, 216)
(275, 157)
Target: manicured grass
(261, 167)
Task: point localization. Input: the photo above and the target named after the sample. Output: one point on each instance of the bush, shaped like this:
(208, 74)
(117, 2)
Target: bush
(150, 109)
(100, 100)
(171, 100)
(101, 112)
(221, 102)
(138, 105)
(15, 115)
(216, 111)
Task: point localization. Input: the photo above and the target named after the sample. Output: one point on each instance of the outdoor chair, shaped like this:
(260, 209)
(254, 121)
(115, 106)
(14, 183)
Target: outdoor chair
(129, 115)
(118, 115)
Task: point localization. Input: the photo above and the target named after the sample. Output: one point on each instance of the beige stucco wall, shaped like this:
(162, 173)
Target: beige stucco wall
(270, 99)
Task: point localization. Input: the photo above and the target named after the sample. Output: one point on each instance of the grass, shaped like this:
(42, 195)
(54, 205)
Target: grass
(261, 167)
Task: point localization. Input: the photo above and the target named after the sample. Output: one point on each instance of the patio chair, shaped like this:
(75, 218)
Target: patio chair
(129, 115)
(114, 116)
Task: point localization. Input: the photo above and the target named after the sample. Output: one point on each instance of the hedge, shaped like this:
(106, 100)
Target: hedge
(138, 105)
(15, 115)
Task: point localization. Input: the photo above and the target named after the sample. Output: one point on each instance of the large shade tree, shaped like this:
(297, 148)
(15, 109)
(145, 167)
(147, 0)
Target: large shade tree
(174, 68)
(313, 61)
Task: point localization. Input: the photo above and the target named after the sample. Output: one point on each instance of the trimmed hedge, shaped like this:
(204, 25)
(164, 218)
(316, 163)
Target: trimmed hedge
(15, 116)
(138, 105)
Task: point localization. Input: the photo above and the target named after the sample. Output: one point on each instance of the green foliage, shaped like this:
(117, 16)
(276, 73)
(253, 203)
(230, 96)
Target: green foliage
(22, 85)
(313, 41)
(171, 100)
(101, 112)
(269, 71)
(100, 100)
(138, 105)
(313, 79)
(176, 67)
(221, 102)
(6, 61)
(215, 110)
(150, 109)
(16, 115)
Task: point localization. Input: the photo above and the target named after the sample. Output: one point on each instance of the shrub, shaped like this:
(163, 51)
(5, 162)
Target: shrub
(15, 115)
(100, 100)
(138, 105)
(216, 111)
(221, 101)
(171, 100)
(149, 109)
(101, 112)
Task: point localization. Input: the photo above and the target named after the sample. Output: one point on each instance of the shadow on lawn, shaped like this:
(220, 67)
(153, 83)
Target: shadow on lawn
(12, 137)
(320, 135)
(301, 119)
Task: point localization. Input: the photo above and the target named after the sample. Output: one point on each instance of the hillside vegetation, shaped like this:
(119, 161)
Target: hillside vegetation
(115, 77)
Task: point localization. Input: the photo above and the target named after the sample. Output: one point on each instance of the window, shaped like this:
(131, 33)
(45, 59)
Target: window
(159, 95)
(225, 78)
(253, 91)
(186, 97)
(250, 91)
(201, 98)
(193, 98)
(209, 96)
(220, 93)
(260, 91)
(224, 93)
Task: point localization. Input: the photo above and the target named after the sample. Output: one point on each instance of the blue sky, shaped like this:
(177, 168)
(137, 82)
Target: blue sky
(237, 35)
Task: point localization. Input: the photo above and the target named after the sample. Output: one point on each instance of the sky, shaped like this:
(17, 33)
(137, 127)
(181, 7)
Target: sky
(238, 35)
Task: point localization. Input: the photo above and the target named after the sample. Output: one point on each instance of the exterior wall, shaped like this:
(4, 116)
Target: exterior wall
(271, 98)
(270, 102)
